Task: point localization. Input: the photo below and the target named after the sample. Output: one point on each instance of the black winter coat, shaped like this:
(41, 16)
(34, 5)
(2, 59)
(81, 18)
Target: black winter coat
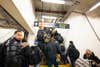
(92, 57)
(13, 52)
(52, 49)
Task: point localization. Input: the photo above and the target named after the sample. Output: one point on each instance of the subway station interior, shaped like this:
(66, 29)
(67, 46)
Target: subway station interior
(60, 30)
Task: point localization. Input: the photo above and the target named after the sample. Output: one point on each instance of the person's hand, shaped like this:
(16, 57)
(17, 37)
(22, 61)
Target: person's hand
(24, 44)
(58, 58)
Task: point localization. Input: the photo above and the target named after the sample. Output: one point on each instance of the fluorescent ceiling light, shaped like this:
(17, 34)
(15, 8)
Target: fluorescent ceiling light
(55, 1)
(95, 6)
(49, 17)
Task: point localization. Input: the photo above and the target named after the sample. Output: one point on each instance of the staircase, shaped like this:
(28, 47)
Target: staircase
(82, 63)
(64, 65)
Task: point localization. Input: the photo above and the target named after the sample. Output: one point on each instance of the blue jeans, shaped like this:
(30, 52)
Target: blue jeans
(51, 62)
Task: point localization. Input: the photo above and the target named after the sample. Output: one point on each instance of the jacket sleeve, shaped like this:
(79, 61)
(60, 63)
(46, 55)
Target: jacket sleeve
(26, 51)
(58, 48)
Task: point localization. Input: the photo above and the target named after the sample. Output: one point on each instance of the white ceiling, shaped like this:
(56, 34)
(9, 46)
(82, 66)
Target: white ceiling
(51, 9)
(85, 5)
(95, 13)
(59, 10)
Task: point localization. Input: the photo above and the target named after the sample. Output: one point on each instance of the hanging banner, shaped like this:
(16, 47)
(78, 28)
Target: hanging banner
(54, 25)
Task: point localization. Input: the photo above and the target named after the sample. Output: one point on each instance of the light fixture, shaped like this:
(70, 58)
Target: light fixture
(49, 17)
(95, 6)
(55, 1)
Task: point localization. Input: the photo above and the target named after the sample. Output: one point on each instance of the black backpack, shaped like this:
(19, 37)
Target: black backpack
(76, 53)
(73, 52)
(59, 38)
(35, 56)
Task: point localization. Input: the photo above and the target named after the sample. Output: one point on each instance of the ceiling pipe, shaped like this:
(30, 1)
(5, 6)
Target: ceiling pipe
(48, 11)
(72, 7)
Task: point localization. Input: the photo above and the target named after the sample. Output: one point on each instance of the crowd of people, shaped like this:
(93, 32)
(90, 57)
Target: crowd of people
(52, 45)
(49, 47)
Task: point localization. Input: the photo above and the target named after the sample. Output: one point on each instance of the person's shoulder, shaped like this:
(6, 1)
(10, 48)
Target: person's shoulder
(55, 42)
(9, 39)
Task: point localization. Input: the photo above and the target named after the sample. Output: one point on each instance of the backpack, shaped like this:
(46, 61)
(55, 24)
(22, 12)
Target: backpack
(35, 56)
(59, 38)
(73, 53)
(76, 53)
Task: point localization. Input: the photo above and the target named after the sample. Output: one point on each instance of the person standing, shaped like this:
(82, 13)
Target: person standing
(63, 54)
(51, 50)
(12, 50)
(73, 53)
(40, 37)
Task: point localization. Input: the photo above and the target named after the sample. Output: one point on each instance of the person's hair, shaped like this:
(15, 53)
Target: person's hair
(47, 36)
(71, 42)
(17, 31)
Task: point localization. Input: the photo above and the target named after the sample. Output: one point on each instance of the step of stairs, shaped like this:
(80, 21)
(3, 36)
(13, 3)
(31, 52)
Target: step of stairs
(64, 65)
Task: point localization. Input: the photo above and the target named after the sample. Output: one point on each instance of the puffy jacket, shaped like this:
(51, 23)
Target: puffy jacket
(1, 55)
(26, 53)
(52, 49)
(72, 52)
(58, 37)
(12, 50)
(35, 56)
